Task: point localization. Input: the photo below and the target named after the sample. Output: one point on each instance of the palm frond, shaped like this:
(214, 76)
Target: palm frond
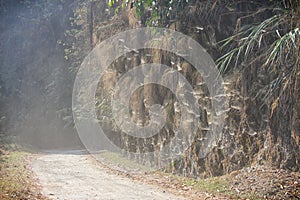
(282, 47)
(246, 41)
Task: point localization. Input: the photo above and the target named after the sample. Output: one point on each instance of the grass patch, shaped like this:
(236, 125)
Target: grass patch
(212, 185)
(15, 177)
(13, 174)
(221, 185)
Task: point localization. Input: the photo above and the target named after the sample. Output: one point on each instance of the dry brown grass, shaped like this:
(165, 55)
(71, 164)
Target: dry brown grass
(16, 179)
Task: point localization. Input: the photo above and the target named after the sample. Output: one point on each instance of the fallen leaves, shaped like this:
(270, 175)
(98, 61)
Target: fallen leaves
(267, 183)
(15, 178)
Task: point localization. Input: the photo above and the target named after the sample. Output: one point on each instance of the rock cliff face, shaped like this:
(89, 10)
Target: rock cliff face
(258, 129)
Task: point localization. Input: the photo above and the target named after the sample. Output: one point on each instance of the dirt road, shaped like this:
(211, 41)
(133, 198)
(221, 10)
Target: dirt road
(72, 175)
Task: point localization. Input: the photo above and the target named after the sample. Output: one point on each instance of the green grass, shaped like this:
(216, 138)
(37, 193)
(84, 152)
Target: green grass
(217, 185)
(212, 185)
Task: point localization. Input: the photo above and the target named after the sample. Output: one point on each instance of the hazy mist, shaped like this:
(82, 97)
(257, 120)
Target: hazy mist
(36, 85)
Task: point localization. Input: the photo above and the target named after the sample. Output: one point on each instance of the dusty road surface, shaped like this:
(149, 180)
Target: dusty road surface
(73, 175)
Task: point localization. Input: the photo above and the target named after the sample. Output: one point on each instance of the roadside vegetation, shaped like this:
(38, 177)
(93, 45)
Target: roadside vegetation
(186, 186)
(16, 179)
(252, 183)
